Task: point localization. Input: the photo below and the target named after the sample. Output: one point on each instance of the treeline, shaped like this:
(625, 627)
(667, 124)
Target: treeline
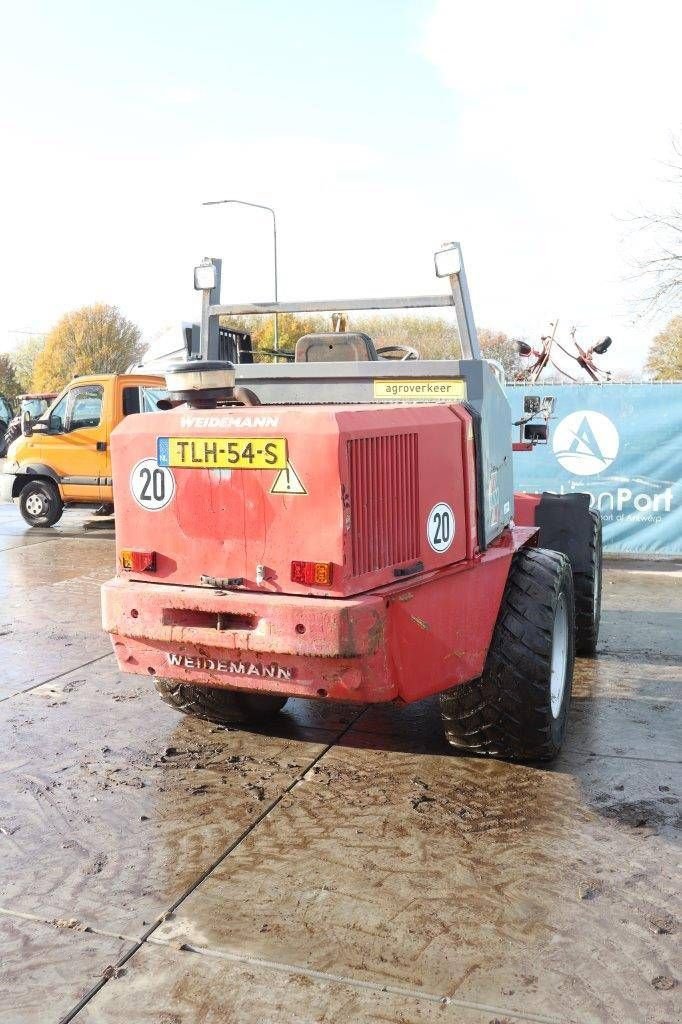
(94, 339)
(433, 337)
(99, 339)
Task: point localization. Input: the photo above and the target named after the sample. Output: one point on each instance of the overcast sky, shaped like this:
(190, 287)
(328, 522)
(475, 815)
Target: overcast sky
(529, 131)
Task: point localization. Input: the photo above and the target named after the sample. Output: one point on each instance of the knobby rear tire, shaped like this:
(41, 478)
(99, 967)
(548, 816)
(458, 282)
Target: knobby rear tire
(215, 704)
(588, 590)
(508, 711)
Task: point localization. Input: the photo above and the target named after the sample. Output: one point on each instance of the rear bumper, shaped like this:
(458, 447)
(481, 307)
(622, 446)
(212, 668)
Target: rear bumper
(407, 641)
(308, 647)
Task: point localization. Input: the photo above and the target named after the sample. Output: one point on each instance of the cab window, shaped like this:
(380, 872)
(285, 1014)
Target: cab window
(86, 407)
(140, 398)
(150, 397)
(36, 407)
(5, 410)
(57, 422)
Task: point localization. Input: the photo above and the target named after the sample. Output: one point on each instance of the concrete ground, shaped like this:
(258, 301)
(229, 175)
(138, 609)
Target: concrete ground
(341, 865)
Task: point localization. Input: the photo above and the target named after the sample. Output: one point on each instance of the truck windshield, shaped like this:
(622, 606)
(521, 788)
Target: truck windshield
(36, 406)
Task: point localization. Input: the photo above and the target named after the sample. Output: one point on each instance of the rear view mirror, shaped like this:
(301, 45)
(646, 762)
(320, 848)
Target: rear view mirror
(26, 424)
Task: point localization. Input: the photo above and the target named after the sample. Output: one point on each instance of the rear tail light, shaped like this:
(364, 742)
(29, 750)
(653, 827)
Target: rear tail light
(312, 573)
(138, 561)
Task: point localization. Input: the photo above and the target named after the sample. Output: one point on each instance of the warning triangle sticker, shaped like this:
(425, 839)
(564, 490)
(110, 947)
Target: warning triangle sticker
(287, 482)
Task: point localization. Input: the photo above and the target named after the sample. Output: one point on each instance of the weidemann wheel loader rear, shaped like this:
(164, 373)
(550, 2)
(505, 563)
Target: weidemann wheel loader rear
(343, 527)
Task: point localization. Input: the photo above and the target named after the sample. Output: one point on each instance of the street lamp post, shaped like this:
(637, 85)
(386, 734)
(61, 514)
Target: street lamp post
(258, 206)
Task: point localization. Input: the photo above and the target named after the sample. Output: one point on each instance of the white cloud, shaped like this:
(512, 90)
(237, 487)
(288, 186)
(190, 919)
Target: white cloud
(82, 224)
(564, 114)
(558, 117)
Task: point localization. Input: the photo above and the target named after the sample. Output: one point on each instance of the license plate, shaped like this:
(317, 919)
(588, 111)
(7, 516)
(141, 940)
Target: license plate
(222, 452)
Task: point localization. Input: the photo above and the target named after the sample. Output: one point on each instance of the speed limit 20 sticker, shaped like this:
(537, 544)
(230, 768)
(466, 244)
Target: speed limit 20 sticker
(151, 485)
(440, 527)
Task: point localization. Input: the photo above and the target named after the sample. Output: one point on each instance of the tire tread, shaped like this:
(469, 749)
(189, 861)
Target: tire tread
(586, 585)
(216, 704)
(505, 713)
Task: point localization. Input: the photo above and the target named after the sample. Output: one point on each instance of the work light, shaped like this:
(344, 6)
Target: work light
(448, 260)
(205, 276)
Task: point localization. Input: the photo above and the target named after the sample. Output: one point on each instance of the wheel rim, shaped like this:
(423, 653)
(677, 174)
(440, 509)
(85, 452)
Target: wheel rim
(35, 505)
(557, 683)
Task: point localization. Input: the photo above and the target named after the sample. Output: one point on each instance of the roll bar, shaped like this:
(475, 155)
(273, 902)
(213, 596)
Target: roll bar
(448, 263)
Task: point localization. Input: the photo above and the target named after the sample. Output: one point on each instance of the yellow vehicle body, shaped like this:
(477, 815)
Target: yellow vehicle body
(69, 445)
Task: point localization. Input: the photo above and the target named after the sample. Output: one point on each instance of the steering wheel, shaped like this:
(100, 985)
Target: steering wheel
(401, 352)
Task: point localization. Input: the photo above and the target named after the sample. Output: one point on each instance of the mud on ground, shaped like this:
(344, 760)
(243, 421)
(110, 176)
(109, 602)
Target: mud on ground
(341, 865)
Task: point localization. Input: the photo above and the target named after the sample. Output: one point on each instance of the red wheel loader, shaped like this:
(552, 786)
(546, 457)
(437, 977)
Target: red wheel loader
(343, 527)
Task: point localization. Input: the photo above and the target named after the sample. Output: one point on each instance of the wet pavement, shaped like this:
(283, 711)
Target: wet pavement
(340, 865)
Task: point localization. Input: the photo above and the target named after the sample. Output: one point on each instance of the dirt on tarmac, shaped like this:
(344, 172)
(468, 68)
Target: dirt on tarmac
(342, 864)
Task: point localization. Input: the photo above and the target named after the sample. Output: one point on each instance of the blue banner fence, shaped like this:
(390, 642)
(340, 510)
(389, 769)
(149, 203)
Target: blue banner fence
(622, 443)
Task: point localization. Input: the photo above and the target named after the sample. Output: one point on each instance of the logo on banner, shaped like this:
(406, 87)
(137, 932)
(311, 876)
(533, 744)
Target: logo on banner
(586, 442)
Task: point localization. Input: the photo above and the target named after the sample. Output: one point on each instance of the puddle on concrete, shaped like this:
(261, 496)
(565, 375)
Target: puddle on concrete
(110, 808)
(392, 862)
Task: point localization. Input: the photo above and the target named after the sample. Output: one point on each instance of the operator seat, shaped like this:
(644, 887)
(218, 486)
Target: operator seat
(335, 347)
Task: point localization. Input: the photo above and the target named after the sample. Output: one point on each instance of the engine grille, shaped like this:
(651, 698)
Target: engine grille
(384, 501)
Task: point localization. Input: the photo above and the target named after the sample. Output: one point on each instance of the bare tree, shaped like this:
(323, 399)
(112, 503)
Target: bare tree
(661, 267)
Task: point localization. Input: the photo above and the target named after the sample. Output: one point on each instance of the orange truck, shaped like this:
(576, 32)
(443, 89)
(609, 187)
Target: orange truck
(63, 458)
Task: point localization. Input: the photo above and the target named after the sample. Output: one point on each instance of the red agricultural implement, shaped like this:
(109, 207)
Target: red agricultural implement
(343, 527)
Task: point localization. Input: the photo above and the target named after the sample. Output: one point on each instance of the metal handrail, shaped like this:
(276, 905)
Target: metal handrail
(330, 305)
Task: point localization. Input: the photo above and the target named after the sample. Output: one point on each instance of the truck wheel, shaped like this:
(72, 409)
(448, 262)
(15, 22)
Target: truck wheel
(227, 707)
(587, 587)
(518, 708)
(40, 503)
